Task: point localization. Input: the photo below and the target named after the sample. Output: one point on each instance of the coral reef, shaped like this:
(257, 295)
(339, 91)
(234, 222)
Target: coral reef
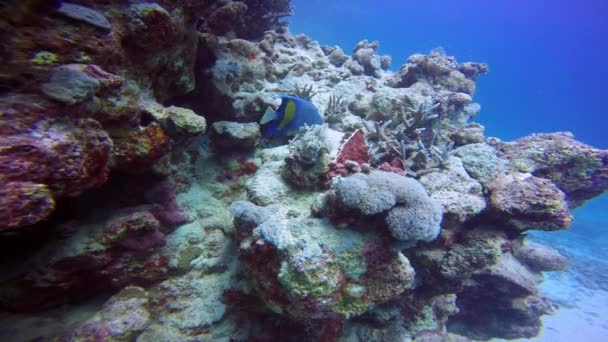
(397, 221)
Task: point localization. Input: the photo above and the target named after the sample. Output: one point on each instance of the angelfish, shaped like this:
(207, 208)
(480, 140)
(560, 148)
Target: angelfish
(293, 113)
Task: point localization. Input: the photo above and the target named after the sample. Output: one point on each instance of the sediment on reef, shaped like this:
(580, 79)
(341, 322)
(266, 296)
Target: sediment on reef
(133, 171)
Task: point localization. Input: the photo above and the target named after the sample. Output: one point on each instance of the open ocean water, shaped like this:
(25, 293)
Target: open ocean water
(548, 73)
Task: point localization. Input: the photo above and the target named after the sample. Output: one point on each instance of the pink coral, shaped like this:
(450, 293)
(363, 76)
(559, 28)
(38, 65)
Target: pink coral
(354, 148)
(351, 154)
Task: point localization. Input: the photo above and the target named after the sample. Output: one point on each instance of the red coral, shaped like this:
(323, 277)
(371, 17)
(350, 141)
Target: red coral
(395, 166)
(354, 151)
(355, 148)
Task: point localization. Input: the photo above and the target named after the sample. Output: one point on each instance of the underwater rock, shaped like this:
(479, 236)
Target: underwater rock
(312, 271)
(504, 302)
(540, 257)
(385, 62)
(70, 86)
(471, 251)
(191, 248)
(24, 203)
(249, 20)
(84, 14)
(191, 302)
(460, 195)
(385, 102)
(268, 186)
(234, 135)
(529, 202)
(308, 159)
(166, 209)
(185, 121)
(337, 57)
(69, 158)
(54, 158)
(137, 149)
(248, 216)
(262, 16)
(365, 53)
(480, 160)
(354, 67)
(579, 170)
(359, 332)
(179, 122)
(509, 277)
(138, 231)
(149, 26)
(225, 18)
(122, 318)
(438, 69)
(88, 259)
(472, 133)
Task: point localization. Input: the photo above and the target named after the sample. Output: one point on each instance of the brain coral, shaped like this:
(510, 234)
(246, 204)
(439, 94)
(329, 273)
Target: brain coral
(419, 221)
(413, 214)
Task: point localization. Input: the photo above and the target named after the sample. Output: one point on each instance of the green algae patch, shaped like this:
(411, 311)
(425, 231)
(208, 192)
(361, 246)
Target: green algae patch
(44, 58)
(424, 321)
(274, 307)
(186, 256)
(352, 300)
(316, 282)
(83, 58)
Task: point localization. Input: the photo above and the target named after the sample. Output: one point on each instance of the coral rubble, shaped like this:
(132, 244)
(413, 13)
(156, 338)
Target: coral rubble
(396, 220)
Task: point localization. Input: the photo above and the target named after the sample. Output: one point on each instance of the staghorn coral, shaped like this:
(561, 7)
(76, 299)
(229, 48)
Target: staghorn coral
(306, 92)
(335, 109)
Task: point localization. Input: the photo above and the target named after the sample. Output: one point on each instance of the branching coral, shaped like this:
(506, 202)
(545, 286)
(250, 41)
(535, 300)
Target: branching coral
(335, 108)
(410, 142)
(305, 92)
(415, 117)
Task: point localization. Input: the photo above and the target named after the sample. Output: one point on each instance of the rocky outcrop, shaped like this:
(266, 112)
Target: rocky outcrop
(579, 170)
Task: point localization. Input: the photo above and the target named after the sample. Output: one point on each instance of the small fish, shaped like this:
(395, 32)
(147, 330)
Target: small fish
(293, 113)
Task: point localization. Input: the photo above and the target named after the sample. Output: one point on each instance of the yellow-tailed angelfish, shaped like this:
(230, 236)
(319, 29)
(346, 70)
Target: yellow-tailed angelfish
(293, 113)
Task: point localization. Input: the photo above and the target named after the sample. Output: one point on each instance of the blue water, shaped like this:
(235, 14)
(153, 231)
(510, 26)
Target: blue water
(548, 72)
(547, 59)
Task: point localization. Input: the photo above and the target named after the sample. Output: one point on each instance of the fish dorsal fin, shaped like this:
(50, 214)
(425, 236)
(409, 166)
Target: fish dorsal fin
(270, 115)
